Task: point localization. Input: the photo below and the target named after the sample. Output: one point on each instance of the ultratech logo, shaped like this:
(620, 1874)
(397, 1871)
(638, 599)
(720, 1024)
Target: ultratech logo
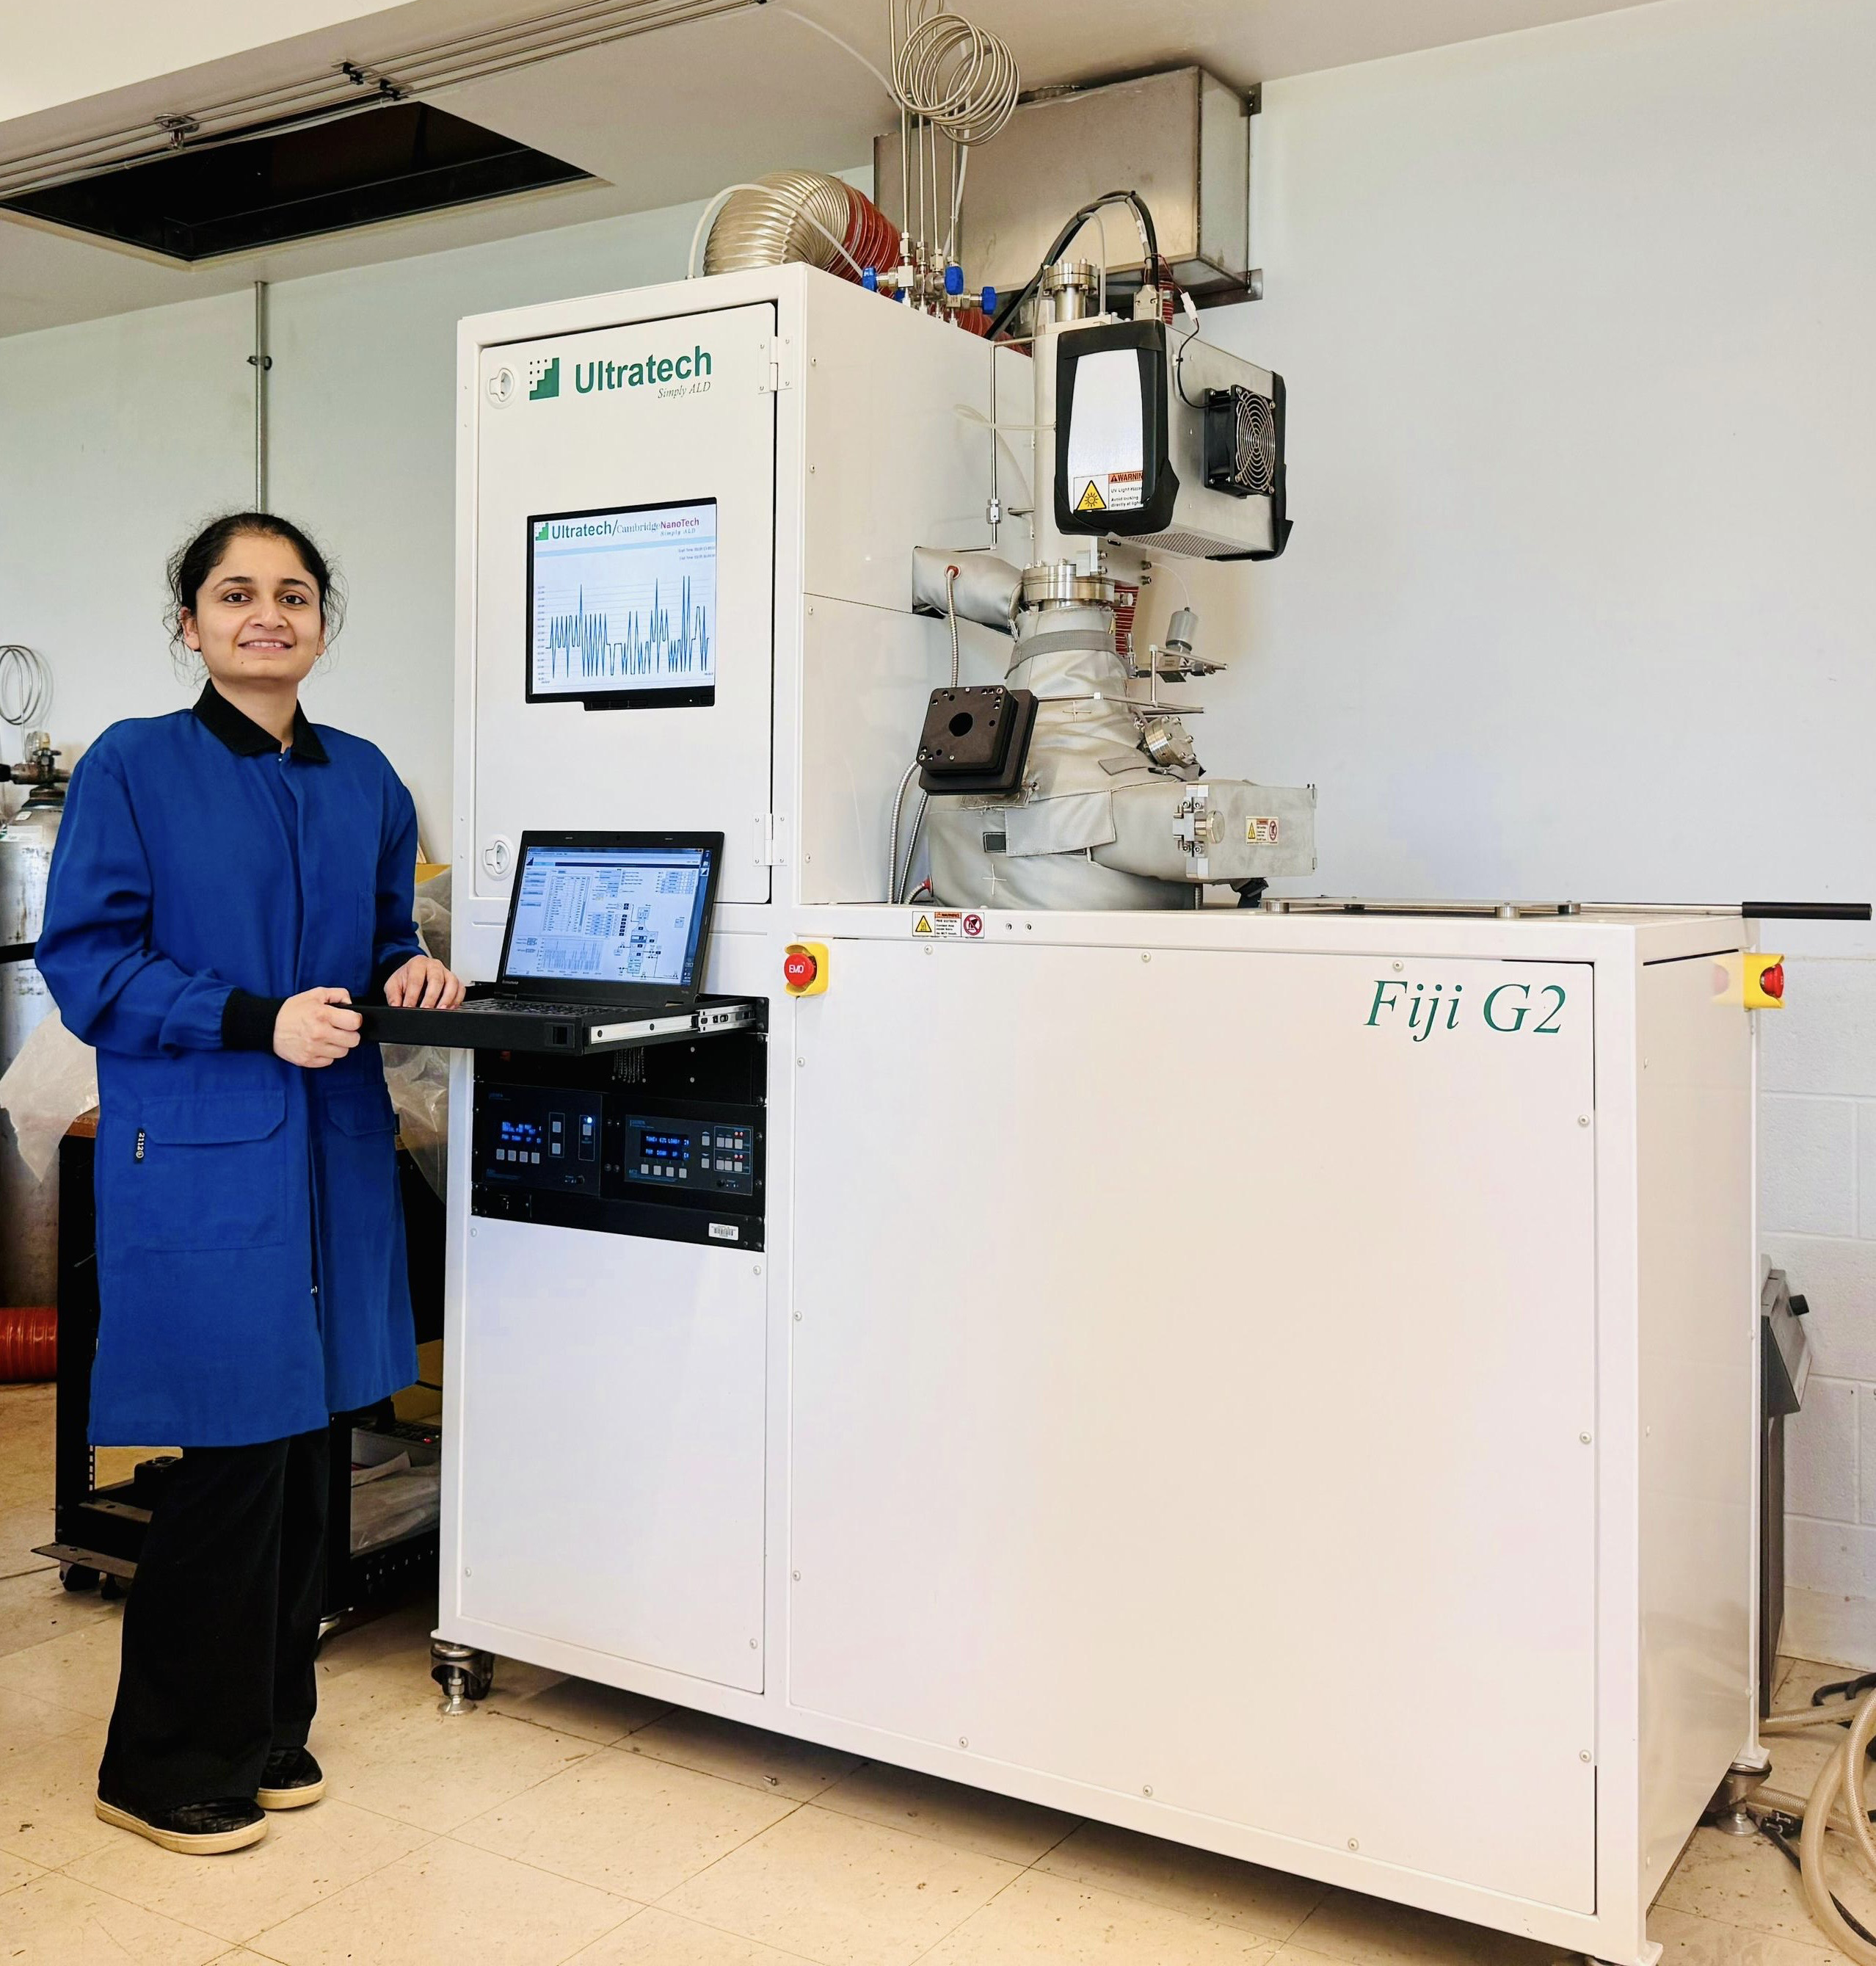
(588, 376)
(543, 378)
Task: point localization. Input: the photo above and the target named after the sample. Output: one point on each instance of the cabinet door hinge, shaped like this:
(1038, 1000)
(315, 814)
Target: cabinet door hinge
(771, 839)
(774, 371)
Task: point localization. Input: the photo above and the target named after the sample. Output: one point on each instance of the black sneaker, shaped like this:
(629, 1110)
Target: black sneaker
(196, 1829)
(291, 1780)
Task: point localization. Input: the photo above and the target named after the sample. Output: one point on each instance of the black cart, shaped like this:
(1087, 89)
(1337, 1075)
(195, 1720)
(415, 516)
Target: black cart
(98, 1533)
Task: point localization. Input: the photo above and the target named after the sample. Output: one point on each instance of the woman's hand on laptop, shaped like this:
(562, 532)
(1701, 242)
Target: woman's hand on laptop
(423, 984)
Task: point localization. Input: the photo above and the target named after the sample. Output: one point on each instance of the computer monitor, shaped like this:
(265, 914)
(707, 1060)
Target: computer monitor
(622, 606)
(612, 916)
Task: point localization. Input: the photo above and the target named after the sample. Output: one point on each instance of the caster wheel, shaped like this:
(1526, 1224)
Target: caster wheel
(110, 1588)
(481, 1675)
(78, 1577)
(464, 1674)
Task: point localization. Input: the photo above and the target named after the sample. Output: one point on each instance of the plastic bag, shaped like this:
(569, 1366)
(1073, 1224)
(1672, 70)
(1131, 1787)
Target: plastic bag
(432, 915)
(403, 1502)
(47, 1086)
(418, 1075)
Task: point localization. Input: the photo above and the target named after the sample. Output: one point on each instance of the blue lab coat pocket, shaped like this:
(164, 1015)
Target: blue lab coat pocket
(359, 1148)
(207, 1171)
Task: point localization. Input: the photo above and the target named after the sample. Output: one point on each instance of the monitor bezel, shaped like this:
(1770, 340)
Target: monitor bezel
(560, 989)
(690, 697)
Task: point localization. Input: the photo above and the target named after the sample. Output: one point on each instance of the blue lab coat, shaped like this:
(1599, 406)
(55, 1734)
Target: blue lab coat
(250, 1235)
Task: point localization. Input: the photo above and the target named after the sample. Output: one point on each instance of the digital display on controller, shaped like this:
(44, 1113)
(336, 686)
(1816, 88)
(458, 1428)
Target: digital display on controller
(666, 1147)
(520, 1133)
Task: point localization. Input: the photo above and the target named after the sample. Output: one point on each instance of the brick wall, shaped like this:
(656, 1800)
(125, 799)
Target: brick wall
(1817, 1220)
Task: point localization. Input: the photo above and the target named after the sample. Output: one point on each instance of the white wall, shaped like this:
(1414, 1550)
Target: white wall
(117, 437)
(1580, 598)
(114, 436)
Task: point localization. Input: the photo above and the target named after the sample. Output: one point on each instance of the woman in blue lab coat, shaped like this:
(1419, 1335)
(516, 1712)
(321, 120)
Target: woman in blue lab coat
(228, 879)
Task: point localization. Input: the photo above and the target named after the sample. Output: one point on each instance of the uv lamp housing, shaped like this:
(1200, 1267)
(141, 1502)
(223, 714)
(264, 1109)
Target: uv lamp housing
(1114, 474)
(1207, 440)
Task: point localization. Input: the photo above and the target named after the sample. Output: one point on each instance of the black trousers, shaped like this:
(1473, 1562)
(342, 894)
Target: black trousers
(221, 1628)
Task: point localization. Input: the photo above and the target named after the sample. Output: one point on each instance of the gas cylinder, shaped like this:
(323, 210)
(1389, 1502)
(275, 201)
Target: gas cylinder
(29, 1208)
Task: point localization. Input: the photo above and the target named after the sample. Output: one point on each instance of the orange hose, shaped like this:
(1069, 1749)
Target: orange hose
(28, 1343)
(872, 238)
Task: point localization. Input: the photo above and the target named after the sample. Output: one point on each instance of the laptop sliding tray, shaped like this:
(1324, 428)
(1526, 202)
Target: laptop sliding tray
(582, 1028)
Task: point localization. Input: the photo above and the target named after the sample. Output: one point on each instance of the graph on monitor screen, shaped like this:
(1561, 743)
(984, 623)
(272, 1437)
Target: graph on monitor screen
(623, 601)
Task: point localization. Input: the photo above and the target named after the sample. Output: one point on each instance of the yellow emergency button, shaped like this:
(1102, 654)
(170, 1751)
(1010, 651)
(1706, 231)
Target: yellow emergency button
(804, 969)
(1765, 982)
(1751, 978)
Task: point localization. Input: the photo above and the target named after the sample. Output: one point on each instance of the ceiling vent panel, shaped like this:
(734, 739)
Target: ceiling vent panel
(389, 161)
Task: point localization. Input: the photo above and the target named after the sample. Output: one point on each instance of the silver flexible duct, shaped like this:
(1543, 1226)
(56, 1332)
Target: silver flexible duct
(786, 216)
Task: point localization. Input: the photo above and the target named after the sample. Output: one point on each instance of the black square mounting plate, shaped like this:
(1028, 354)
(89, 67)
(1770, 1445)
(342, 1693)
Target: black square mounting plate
(975, 739)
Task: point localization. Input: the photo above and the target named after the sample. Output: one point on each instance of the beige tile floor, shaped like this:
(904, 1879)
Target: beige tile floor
(566, 1822)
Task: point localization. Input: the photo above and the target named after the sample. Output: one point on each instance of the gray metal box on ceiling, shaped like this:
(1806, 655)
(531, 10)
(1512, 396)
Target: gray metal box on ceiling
(1180, 138)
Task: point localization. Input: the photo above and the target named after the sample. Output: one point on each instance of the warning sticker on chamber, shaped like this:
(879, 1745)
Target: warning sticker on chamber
(943, 925)
(1261, 831)
(1111, 492)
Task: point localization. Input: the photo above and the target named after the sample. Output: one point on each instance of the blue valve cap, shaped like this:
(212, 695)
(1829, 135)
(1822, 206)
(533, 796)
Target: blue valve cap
(898, 293)
(989, 300)
(870, 278)
(953, 279)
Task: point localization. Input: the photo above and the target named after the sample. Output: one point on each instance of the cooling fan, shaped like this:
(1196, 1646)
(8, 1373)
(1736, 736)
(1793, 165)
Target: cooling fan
(1243, 440)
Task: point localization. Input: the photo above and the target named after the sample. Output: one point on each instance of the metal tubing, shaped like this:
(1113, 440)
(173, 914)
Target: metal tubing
(261, 361)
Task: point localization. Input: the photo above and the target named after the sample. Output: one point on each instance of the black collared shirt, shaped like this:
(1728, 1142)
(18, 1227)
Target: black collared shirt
(246, 738)
(247, 1021)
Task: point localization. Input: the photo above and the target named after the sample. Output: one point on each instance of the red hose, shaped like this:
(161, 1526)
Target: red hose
(28, 1343)
(872, 238)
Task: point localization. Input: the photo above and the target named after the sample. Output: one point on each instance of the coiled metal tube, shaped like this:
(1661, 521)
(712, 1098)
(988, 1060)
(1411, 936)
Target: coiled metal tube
(25, 687)
(958, 77)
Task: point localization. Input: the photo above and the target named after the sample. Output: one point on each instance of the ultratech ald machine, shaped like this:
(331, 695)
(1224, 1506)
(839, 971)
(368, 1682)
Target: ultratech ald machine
(1183, 1448)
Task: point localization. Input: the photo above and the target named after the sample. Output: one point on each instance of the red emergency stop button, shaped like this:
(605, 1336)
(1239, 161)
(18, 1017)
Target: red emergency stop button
(1771, 981)
(804, 969)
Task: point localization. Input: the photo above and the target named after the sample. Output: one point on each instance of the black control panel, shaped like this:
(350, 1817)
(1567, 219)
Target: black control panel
(715, 1156)
(667, 1142)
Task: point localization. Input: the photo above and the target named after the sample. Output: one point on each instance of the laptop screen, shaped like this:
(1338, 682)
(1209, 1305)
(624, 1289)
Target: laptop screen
(608, 914)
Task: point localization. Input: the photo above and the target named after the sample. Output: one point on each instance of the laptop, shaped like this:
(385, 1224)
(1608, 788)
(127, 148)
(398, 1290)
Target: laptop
(607, 937)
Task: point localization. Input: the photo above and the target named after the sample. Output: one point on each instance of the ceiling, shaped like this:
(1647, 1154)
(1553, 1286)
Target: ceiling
(672, 115)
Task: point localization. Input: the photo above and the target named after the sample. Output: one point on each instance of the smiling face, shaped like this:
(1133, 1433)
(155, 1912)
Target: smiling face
(257, 617)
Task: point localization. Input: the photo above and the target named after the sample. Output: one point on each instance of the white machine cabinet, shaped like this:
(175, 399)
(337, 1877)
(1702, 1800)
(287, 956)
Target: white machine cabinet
(1284, 1382)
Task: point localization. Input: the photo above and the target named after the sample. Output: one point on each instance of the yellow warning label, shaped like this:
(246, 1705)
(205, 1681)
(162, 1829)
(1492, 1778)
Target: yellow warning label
(922, 926)
(1091, 500)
